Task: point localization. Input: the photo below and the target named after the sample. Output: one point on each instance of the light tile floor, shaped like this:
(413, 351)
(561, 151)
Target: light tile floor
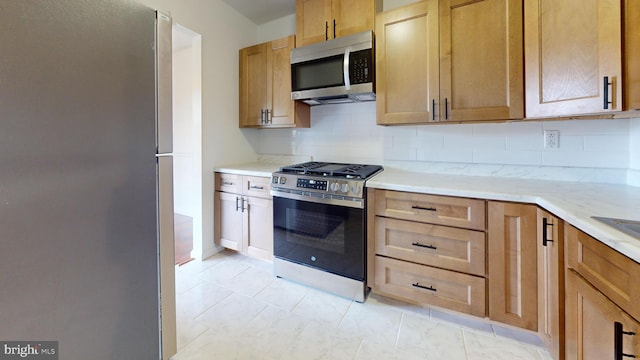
(232, 307)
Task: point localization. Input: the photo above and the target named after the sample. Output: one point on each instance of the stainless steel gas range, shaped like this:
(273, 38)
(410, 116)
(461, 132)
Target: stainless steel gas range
(319, 225)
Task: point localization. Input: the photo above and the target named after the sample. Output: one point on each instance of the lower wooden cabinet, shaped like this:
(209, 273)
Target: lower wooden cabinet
(550, 253)
(512, 274)
(596, 328)
(428, 285)
(244, 214)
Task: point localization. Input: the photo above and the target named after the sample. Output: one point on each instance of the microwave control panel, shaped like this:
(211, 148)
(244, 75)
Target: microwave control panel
(360, 69)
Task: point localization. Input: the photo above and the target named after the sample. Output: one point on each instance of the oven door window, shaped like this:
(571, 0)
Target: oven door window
(327, 237)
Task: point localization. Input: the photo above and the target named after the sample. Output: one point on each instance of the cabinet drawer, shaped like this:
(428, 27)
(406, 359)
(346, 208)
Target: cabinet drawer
(434, 209)
(231, 183)
(445, 247)
(426, 285)
(257, 186)
(614, 274)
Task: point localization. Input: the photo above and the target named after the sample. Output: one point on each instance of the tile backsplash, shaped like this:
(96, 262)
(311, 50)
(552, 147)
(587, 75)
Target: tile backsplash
(590, 150)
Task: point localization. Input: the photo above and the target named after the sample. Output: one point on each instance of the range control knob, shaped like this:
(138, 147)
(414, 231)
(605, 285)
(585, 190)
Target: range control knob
(335, 187)
(282, 180)
(344, 188)
(355, 189)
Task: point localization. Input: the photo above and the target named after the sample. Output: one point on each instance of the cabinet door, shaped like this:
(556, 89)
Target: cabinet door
(253, 85)
(570, 47)
(312, 21)
(258, 217)
(550, 240)
(481, 60)
(351, 16)
(591, 324)
(632, 54)
(512, 264)
(407, 88)
(279, 82)
(229, 212)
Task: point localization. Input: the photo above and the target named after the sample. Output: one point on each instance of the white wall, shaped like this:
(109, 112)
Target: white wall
(182, 131)
(590, 150)
(224, 32)
(633, 177)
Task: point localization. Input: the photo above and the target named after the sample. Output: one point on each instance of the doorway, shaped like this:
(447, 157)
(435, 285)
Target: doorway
(187, 146)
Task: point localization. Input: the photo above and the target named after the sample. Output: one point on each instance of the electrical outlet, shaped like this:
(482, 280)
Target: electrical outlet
(552, 139)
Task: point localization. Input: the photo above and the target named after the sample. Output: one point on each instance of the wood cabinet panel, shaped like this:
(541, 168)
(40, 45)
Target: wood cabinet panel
(231, 183)
(312, 21)
(445, 247)
(570, 46)
(322, 20)
(265, 87)
(441, 210)
(512, 264)
(614, 274)
(551, 282)
(424, 284)
(259, 228)
(243, 210)
(407, 67)
(230, 219)
(590, 321)
(482, 75)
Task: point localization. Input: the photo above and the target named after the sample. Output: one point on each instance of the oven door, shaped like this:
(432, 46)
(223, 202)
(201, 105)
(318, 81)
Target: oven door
(323, 236)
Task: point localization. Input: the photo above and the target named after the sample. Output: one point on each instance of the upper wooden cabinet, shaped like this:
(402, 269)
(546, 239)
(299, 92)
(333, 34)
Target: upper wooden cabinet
(265, 87)
(450, 60)
(632, 55)
(573, 57)
(321, 20)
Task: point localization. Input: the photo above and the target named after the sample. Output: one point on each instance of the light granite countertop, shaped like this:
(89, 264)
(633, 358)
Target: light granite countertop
(575, 202)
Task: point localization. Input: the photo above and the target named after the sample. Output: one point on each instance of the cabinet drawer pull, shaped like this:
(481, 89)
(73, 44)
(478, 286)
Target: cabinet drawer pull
(334, 28)
(430, 288)
(326, 30)
(423, 208)
(605, 92)
(424, 246)
(256, 187)
(618, 332)
(228, 183)
(545, 223)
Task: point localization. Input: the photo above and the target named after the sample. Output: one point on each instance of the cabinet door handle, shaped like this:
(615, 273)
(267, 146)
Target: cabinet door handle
(430, 288)
(618, 332)
(334, 28)
(424, 246)
(243, 207)
(605, 92)
(326, 30)
(261, 116)
(446, 108)
(423, 208)
(266, 120)
(545, 223)
(237, 205)
(433, 109)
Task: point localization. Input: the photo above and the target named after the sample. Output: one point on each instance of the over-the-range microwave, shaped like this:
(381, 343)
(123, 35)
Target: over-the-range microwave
(335, 71)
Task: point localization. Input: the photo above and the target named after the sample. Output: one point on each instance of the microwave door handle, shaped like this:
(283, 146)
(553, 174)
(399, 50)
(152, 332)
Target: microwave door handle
(345, 69)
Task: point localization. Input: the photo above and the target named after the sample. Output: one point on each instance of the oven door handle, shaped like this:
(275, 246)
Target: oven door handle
(352, 203)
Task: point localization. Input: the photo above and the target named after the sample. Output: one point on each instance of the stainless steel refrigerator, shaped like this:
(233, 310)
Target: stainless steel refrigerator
(86, 213)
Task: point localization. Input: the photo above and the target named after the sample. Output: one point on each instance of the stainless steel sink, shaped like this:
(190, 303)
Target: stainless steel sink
(629, 227)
